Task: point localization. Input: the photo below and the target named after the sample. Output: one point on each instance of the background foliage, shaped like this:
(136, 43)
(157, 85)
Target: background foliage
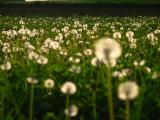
(88, 1)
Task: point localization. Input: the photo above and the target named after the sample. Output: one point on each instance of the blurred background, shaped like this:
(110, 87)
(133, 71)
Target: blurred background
(82, 1)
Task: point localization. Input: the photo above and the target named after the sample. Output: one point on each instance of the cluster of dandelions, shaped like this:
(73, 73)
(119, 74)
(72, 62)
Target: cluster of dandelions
(107, 51)
(45, 45)
(68, 88)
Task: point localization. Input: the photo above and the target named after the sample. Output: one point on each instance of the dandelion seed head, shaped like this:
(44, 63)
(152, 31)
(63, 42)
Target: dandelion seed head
(94, 62)
(126, 72)
(129, 34)
(128, 90)
(87, 52)
(75, 69)
(42, 60)
(157, 31)
(71, 111)
(135, 63)
(133, 45)
(116, 73)
(68, 88)
(77, 60)
(6, 66)
(132, 40)
(6, 49)
(142, 62)
(49, 83)
(29, 46)
(117, 35)
(107, 50)
(32, 55)
(32, 80)
(128, 55)
(138, 63)
(147, 69)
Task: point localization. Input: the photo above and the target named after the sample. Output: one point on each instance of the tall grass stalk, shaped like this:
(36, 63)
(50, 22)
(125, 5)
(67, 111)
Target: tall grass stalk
(67, 107)
(110, 97)
(141, 97)
(2, 110)
(94, 105)
(127, 109)
(31, 102)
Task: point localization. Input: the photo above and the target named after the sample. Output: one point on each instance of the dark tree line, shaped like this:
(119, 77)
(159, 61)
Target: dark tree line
(12, 1)
(87, 1)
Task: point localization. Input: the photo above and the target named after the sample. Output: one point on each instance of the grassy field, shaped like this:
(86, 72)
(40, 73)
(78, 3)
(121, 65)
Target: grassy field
(39, 54)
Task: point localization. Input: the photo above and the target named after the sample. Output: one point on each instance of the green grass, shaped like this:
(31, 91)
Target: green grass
(91, 82)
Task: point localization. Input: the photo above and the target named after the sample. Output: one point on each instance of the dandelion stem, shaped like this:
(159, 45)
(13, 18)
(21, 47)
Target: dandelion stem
(67, 107)
(31, 102)
(127, 110)
(141, 97)
(110, 99)
(2, 111)
(94, 105)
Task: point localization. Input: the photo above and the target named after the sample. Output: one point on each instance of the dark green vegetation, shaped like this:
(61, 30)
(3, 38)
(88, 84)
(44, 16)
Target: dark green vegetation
(87, 1)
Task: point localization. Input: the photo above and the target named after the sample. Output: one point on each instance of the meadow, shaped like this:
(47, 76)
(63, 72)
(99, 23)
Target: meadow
(54, 68)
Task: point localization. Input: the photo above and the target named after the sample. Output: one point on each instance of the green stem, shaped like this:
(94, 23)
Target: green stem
(4, 105)
(127, 110)
(67, 107)
(94, 105)
(141, 97)
(110, 98)
(2, 111)
(31, 102)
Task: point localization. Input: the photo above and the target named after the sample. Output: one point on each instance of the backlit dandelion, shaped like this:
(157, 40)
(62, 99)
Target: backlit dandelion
(32, 80)
(42, 60)
(32, 55)
(6, 66)
(129, 34)
(75, 69)
(87, 52)
(6, 49)
(139, 63)
(128, 90)
(72, 111)
(94, 62)
(49, 83)
(152, 39)
(68, 88)
(107, 50)
(51, 44)
(117, 35)
(147, 70)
